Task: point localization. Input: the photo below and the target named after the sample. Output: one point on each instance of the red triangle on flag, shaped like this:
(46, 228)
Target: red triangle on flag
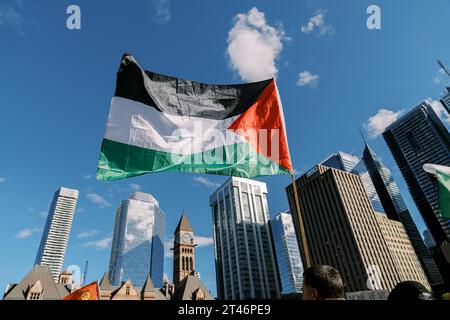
(262, 125)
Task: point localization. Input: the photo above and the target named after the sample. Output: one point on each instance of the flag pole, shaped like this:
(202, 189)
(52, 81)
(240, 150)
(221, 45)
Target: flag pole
(307, 262)
(99, 297)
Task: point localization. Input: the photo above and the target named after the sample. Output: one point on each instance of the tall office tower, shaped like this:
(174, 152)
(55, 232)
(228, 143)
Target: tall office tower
(138, 241)
(352, 164)
(446, 99)
(289, 261)
(417, 138)
(406, 262)
(428, 238)
(435, 273)
(184, 251)
(395, 209)
(55, 237)
(245, 261)
(341, 228)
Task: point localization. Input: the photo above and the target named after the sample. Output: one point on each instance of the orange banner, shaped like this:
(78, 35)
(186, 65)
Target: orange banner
(89, 292)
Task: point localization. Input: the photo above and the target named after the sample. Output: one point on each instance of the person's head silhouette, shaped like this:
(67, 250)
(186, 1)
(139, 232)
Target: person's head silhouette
(409, 291)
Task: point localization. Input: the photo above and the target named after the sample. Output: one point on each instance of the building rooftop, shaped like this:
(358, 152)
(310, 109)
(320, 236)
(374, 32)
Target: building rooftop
(118, 290)
(52, 290)
(148, 285)
(104, 283)
(189, 287)
(184, 224)
(406, 116)
(142, 196)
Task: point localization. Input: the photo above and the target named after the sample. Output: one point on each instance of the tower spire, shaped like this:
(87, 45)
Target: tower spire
(184, 224)
(362, 135)
(443, 67)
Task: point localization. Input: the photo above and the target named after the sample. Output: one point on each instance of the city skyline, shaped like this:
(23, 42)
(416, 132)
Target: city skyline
(345, 163)
(391, 71)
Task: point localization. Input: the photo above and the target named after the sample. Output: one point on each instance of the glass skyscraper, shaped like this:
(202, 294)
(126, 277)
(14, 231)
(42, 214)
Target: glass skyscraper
(446, 99)
(138, 241)
(417, 138)
(428, 238)
(55, 237)
(245, 261)
(289, 261)
(352, 164)
(395, 209)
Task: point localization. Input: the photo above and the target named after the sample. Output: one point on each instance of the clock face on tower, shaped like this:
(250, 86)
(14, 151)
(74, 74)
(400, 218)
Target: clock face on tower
(186, 238)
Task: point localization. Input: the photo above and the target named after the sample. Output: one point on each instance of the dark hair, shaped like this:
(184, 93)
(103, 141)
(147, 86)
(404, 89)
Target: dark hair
(326, 280)
(409, 291)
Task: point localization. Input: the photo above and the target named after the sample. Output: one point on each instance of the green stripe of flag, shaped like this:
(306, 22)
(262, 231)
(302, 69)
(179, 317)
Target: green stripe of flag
(444, 193)
(119, 161)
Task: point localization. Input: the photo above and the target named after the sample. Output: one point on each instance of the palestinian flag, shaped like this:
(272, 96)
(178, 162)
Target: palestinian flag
(444, 193)
(159, 123)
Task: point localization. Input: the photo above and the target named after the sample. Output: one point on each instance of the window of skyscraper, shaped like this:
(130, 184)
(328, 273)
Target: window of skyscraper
(413, 142)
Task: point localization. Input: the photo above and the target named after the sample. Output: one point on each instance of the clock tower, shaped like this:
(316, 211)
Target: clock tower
(184, 251)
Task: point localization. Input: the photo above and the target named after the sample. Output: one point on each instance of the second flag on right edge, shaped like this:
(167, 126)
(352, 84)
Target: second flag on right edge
(444, 193)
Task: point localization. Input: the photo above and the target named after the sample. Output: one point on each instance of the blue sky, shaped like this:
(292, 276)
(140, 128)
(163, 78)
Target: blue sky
(333, 75)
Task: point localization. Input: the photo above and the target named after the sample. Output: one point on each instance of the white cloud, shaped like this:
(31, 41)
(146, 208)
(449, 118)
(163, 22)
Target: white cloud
(168, 254)
(298, 172)
(10, 16)
(27, 232)
(87, 234)
(99, 244)
(2, 179)
(80, 210)
(141, 221)
(204, 241)
(306, 78)
(206, 182)
(87, 177)
(160, 11)
(98, 199)
(199, 240)
(254, 46)
(317, 22)
(168, 245)
(441, 77)
(378, 123)
(135, 186)
(440, 110)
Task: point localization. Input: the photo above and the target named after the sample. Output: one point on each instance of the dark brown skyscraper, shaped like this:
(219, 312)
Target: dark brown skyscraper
(342, 229)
